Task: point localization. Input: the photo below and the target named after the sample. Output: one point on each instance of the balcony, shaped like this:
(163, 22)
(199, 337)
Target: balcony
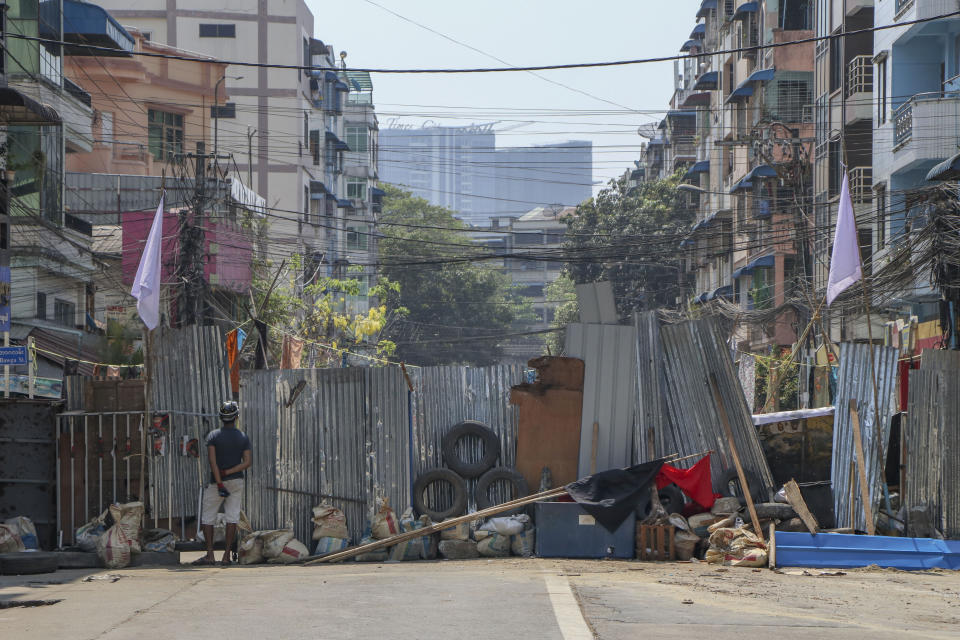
(918, 136)
(859, 93)
(861, 184)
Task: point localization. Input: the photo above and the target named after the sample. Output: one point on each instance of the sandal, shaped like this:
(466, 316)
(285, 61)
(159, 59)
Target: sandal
(203, 562)
(225, 563)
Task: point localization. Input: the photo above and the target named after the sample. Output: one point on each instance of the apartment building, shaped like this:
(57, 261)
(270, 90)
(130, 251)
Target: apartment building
(48, 270)
(742, 124)
(267, 129)
(915, 116)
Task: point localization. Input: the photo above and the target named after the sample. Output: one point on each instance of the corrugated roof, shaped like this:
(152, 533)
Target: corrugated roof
(358, 80)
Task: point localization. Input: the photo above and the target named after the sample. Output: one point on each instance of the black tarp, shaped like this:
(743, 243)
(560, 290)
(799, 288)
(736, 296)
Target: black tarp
(610, 496)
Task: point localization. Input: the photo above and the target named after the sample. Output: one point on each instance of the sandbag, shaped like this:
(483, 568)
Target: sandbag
(458, 532)
(385, 523)
(86, 536)
(114, 548)
(494, 546)
(291, 552)
(700, 522)
(9, 539)
(251, 548)
(523, 544)
(725, 506)
(275, 541)
(508, 525)
(129, 517)
(736, 547)
(330, 545)
(685, 543)
(25, 529)
(330, 522)
(410, 549)
(458, 549)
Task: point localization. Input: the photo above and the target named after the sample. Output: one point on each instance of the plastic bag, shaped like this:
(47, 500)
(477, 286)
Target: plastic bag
(330, 545)
(25, 529)
(385, 522)
(86, 536)
(275, 541)
(251, 548)
(330, 522)
(129, 517)
(159, 540)
(507, 526)
(495, 545)
(114, 548)
(9, 539)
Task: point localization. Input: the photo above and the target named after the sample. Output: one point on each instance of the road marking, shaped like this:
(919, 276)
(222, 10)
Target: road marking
(566, 609)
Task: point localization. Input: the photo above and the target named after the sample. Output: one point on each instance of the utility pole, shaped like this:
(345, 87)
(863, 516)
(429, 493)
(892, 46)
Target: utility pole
(250, 133)
(190, 269)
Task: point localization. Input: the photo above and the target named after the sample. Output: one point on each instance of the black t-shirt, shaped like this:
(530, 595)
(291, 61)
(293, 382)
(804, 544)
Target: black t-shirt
(230, 443)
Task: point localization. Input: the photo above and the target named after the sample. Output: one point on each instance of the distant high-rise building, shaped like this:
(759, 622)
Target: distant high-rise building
(462, 169)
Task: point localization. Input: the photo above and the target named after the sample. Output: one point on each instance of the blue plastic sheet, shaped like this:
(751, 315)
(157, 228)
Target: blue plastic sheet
(844, 551)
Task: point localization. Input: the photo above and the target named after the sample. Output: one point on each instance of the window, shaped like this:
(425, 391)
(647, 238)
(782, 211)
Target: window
(356, 138)
(315, 146)
(306, 204)
(165, 134)
(881, 215)
(64, 313)
(147, 35)
(357, 189)
(306, 58)
(881, 80)
(41, 306)
(795, 15)
(228, 110)
(793, 96)
(357, 237)
(106, 127)
(218, 31)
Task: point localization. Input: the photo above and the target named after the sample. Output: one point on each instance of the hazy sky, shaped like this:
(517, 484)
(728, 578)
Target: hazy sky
(530, 110)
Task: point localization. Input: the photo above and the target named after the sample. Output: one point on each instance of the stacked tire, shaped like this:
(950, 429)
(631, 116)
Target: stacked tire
(458, 471)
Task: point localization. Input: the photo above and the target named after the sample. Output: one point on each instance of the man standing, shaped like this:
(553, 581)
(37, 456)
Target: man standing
(228, 450)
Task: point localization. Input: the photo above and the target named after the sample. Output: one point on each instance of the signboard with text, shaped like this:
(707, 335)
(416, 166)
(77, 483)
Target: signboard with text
(13, 355)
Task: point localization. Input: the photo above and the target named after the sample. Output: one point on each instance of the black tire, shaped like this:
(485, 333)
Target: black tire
(671, 499)
(775, 510)
(23, 564)
(491, 448)
(496, 474)
(730, 485)
(427, 478)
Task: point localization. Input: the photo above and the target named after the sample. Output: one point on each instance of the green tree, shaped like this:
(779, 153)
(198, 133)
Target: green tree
(561, 289)
(458, 305)
(291, 299)
(630, 237)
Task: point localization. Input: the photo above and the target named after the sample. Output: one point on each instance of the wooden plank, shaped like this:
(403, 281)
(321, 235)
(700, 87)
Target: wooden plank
(795, 498)
(593, 448)
(548, 434)
(772, 547)
(725, 422)
(862, 469)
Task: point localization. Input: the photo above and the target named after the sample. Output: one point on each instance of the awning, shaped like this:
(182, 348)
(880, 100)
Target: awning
(317, 187)
(705, 8)
(949, 169)
(337, 143)
(700, 298)
(341, 86)
(701, 99)
(707, 81)
(726, 290)
(744, 10)
(699, 31)
(344, 204)
(88, 24)
(689, 44)
(377, 193)
(330, 76)
(687, 242)
(681, 113)
(698, 167)
(766, 262)
(745, 88)
(17, 108)
(742, 271)
(759, 172)
(655, 141)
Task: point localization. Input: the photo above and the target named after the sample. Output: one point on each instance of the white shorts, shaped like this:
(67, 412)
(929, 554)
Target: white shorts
(231, 504)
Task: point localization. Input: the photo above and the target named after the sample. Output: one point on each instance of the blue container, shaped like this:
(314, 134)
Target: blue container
(565, 530)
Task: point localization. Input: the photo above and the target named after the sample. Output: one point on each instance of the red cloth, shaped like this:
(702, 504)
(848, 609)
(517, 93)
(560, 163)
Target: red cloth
(695, 481)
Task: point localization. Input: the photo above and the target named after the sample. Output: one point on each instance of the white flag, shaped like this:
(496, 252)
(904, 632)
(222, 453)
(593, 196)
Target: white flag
(845, 261)
(146, 284)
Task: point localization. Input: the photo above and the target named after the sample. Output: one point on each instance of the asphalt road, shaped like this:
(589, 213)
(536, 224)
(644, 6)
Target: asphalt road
(479, 599)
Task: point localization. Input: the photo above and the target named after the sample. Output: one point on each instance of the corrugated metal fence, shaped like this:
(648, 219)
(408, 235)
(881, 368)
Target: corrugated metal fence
(346, 433)
(856, 383)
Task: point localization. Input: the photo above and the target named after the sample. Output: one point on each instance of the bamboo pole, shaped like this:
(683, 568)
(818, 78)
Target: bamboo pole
(862, 470)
